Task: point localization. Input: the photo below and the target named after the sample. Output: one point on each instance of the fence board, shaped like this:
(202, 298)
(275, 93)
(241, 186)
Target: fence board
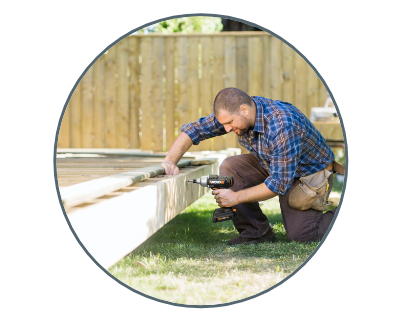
(206, 99)
(230, 80)
(134, 93)
(99, 103)
(300, 84)
(218, 83)
(147, 87)
(146, 97)
(170, 91)
(87, 109)
(287, 73)
(312, 90)
(276, 69)
(266, 67)
(63, 136)
(242, 64)
(255, 66)
(158, 102)
(110, 97)
(182, 106)
(123, 95)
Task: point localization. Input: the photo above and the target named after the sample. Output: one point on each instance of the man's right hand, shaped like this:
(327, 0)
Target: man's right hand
(170, 168)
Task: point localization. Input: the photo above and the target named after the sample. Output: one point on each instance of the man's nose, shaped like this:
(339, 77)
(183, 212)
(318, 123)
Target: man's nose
(228, 128)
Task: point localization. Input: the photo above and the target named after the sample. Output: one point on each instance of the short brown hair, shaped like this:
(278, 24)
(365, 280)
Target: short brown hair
(230, 99)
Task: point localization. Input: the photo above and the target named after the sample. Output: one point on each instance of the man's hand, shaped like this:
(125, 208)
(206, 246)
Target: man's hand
(170, 168)
(225, 197)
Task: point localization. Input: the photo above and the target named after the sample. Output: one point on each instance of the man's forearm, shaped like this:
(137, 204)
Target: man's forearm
(178, 149)
(254, 194)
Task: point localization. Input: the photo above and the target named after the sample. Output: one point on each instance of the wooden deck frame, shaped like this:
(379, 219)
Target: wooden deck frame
(113, 227)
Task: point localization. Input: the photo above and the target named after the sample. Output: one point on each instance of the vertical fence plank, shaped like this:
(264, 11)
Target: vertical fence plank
(266, 66)
(322, 93)
(217, 79)
(300, 84)
(158, 99)
(98, 103)
(193, 85)
(288, 74)
(242, 64)
(206, 100)
(134, 93)
(75, 117)
(170, 91)
(312, 90)
(64, 133)
(255, 66)
(146, 94)
(276, 69)
(230, 80)
(110, 98)
(182, 107)
(122, 95)
(87, 109)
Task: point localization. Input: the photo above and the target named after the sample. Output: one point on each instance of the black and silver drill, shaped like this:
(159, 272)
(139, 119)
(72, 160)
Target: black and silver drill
(218, 182)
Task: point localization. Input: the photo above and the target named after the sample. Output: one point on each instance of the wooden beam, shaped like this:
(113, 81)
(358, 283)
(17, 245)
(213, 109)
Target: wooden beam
(112, 228)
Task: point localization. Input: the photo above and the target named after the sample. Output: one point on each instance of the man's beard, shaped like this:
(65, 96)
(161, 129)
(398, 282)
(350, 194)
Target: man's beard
(242, 132)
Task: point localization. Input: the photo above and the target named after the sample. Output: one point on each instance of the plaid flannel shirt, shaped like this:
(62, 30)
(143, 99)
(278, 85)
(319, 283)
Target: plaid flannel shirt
(285, 142)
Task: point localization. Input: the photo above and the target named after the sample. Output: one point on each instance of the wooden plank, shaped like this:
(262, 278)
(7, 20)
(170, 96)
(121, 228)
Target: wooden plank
(99, 140)
(217, 79)
(255, 66)
(312, 90)
(158, 93)
(75, 117)
(266, 67)
(118, 229)
(231, 139)
(85, 191)
(146, 93)
(322, 93)
(276, 69)
(64, 134)
(122, 95)
(110, 98)
(193, 85)
(300, 84)
(206, 98)
(87, 109)
(170, 91)
(242, 65)
(134, 92)
(183, 99)
(288, 74)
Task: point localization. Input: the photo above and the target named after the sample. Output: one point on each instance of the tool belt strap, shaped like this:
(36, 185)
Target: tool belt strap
(336, 167)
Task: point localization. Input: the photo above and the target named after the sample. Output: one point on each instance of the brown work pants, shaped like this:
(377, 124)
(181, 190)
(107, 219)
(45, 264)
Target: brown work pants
(251, 222)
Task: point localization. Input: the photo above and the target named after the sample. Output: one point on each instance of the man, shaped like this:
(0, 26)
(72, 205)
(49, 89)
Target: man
(283, 145)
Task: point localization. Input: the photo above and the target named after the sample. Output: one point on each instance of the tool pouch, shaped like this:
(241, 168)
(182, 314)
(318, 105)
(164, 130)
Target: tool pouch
(312, 192)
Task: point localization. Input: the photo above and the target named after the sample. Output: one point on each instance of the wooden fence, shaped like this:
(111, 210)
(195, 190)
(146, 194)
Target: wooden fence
(140, 92)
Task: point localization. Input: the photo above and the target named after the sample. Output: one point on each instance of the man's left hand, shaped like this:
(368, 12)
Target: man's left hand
(225, 197)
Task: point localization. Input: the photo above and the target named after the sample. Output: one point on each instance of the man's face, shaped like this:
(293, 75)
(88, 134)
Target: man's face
(238, 123)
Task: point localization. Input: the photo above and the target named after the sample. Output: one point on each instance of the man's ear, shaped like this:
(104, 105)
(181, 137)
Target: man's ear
(244, 109)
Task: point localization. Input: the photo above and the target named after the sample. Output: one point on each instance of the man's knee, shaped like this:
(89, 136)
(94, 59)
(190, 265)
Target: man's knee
(226, 166)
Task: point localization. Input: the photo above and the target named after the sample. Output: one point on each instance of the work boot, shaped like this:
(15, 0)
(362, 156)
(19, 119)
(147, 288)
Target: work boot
(269, 236)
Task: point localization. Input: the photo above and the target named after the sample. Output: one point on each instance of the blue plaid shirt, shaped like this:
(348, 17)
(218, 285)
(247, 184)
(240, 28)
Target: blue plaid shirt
(285, 142)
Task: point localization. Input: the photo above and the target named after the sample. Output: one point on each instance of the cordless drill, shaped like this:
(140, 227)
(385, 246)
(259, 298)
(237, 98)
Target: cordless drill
(218, 182)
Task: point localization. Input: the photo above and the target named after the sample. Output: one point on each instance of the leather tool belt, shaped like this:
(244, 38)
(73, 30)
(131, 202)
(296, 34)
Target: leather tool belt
(313, 191)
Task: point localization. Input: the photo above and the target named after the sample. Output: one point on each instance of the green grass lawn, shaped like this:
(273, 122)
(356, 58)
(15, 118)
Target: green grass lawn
(188, 261)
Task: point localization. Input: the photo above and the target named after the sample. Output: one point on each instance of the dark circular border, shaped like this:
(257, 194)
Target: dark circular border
(55, 156)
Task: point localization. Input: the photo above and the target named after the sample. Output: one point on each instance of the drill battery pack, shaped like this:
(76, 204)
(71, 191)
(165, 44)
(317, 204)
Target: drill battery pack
(223, 214)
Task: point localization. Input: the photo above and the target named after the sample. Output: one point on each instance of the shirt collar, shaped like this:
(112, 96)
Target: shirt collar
(259, 123)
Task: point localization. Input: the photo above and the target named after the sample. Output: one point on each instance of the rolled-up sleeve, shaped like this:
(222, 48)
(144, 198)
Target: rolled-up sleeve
(204, 128)
(285, 155)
